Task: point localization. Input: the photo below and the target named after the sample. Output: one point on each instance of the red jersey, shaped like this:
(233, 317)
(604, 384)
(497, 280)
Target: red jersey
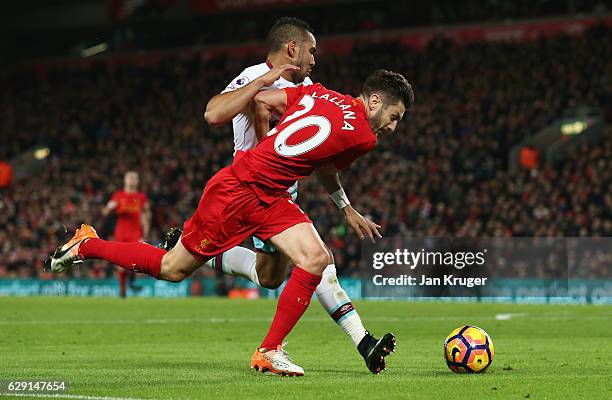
(129, 215)
(319, 127)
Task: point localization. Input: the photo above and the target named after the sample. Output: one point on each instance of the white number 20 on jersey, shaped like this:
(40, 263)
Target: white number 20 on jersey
(322, 123)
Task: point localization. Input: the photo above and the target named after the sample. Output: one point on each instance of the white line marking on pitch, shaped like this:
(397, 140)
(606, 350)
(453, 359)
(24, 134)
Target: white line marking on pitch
(498, 317)
(105, 322)
(167, 321)
(508, 316)
(69, 396)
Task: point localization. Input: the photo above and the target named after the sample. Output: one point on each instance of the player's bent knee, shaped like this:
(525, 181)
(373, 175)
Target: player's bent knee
(178, 264)
(316, 261)
(172, 276)
(170, 270)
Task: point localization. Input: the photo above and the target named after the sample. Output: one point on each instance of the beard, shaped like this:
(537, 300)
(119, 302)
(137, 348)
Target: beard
(376, 121)
(301, 75)
(304, 66)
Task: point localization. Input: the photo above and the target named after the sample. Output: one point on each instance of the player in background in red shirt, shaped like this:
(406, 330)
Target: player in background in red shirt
(133, 221)
(320, 130)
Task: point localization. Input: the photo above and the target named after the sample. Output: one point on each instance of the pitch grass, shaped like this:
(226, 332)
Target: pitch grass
(199, 348)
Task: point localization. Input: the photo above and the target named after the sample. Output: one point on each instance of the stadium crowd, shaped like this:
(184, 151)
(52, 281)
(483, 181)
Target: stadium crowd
(375, 15)
(444, 172)
(153, 24)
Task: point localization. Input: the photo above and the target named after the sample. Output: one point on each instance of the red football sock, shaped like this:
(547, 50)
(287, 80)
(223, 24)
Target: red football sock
(292, 303)
(137, 257)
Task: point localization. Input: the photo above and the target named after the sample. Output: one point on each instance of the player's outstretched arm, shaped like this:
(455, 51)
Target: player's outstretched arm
(330, 179)
(265, 104)
(225, 106)
(109, 207)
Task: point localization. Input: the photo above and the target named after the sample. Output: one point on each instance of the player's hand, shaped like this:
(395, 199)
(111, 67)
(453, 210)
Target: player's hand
(361, 225)
(272, 76)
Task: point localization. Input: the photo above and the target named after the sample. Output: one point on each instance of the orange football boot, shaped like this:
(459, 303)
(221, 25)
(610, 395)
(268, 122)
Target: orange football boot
(67, 255)
(276, 361)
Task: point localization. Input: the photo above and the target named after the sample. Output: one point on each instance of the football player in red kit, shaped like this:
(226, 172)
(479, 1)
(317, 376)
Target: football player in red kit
(133, 220)
(320, 131)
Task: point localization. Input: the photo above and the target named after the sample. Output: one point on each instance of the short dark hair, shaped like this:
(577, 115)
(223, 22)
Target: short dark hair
(391, 85)
(285, 30)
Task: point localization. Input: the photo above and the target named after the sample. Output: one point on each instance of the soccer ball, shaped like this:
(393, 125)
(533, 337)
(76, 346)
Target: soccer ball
(468, 349)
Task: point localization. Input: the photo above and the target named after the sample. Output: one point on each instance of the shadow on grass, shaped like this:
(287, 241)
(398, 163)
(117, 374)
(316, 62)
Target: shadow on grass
(443, 374)
(340, 371)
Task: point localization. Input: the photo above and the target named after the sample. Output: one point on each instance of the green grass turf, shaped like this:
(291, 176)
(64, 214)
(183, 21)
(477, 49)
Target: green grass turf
(200, 348)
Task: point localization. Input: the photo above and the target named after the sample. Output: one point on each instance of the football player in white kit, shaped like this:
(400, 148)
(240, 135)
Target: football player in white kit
(290, 60)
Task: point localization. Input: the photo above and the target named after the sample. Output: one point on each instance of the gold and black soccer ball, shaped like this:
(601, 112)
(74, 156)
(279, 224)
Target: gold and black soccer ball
(468, 349)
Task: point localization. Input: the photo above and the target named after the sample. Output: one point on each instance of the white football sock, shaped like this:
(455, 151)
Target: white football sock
(338, 305)
(237, 261)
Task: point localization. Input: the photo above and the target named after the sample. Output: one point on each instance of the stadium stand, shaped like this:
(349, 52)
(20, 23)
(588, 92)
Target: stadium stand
(444, 171)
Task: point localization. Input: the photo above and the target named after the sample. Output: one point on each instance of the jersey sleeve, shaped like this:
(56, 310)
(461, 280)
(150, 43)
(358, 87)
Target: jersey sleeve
(294, 93)
(115, 197)
(238, 82)
(346, 158)
(143, 199)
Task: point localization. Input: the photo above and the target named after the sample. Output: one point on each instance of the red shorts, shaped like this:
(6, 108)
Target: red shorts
(229, 212)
